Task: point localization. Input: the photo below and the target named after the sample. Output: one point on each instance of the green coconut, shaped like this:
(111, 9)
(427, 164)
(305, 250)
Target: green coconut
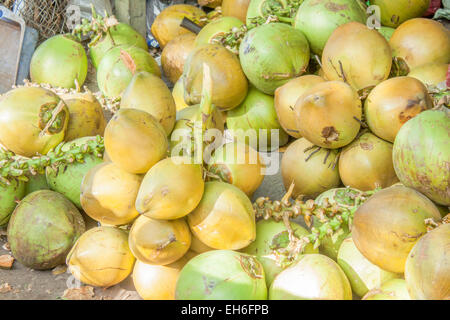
(217, 28)
(362, 274)
(43, 228)
(222, 275)
(59, 61)
(118, 67)
(118, 35)
(421, 155)
(287, 58)
(318, 19)
(9, 195)
(255, 122)
(313, 277)
(270, 236)
(66, 179)
(330, 245)
(394, 13)
(35, 183)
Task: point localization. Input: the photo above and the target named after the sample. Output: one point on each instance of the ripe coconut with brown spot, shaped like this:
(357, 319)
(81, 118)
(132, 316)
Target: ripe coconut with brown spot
(392, 103)
(328, 114)
(135, 141)
(357, 55)
(174, 55)
(286, 97)
(149, 93)
(159, 242)
(366, 163)
(312, 169)
(421, 41)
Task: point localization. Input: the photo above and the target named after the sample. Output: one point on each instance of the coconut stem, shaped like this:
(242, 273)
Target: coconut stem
(14, 167)
(333, 217)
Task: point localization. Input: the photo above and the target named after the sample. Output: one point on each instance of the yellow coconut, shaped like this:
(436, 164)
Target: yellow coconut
(159, 242)
(149, 93)
(101, 257)
(171, 189)
(135, 141)
(175, 54)
(108, 194)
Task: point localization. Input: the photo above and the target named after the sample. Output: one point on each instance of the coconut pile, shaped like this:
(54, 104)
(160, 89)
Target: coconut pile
(353, 94)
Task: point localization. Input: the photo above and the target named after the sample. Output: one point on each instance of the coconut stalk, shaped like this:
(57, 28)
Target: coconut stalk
(277, 11)
(19, 168)
(331, 216)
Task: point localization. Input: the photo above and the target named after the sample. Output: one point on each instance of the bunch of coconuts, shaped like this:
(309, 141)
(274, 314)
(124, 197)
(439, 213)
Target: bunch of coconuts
(362, 112)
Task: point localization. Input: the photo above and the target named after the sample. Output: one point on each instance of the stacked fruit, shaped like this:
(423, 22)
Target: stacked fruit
(366, 168)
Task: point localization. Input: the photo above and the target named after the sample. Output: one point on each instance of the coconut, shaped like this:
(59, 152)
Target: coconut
(59, 61)
(255, 122)
(328, 114)
(66, 179)
(270, 236)
(43, 228)
(392, 103)
(351, 46)
(217, 28)
(175, 54)
(421, 41)
(149, 141)
(32, 120)
(366, 163)
(312, 277)
(235, 8)
(149, 93)
(86, 118)
(229, 85)
(117, 35)
(386, 227)
(427, 270)
(311, 174)
(421, 155)
(394, 289)
(178, 95)
(159, 242)
(285, 98)
(11, 193)
(224, 218)
(108, 194)
(166, 26)
(318, 19)
(101, 257)
(228, 275)
(362, 274)
(288, 57)
(394, 13)
(238, 164)
(430, 74)
(171, 189)
(119, 65)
